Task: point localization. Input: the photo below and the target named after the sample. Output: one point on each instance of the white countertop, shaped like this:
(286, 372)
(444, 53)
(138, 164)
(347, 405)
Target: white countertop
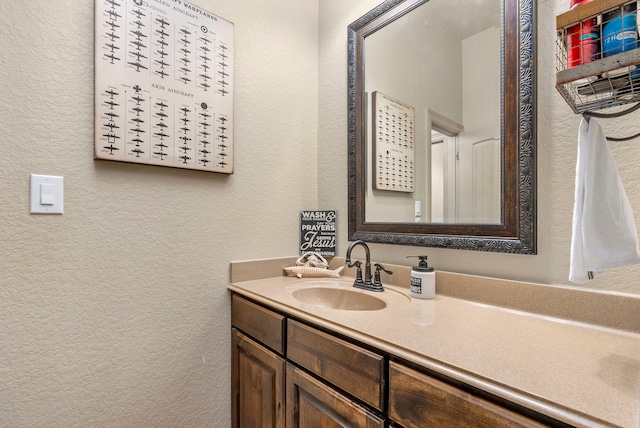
(578, 373)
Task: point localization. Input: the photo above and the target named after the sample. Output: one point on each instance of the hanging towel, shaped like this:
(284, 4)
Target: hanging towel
(604, 232)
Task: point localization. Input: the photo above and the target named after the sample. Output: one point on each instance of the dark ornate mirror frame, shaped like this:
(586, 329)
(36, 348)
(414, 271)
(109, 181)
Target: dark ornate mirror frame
(517, 232)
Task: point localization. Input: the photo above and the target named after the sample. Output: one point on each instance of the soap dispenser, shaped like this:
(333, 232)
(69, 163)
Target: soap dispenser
(423, 280)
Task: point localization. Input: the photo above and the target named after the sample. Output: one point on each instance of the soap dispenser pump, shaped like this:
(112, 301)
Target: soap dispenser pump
(423, 280)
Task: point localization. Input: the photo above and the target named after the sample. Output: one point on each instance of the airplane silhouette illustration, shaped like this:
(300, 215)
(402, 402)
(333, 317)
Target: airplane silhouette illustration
(137, 151)
(111, 148)
(139, 34)
(138, 13)
(162, 135)
(137, 65)
(111, 137)
(138, 44)
(138, 55)
(113, 15)
(113, 25)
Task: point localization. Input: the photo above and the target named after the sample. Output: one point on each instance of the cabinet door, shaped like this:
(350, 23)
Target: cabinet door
(417, 400)
(257, 379)
(311, 403)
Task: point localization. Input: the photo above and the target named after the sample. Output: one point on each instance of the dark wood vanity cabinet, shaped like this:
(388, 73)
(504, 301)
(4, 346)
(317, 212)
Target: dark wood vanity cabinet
(289, 373)
(260, 372)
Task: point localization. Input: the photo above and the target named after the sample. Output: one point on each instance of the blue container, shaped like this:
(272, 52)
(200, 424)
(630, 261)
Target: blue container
(619, 30)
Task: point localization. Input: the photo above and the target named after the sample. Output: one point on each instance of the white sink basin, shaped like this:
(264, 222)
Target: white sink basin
(339, 298)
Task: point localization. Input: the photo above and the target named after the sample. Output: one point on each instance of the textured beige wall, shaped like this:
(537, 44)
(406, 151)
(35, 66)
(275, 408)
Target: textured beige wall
(116, 313)
(557, 149)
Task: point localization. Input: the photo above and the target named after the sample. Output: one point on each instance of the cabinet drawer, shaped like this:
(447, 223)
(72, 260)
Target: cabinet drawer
(262, 324)
(347, 366)
(418, 400)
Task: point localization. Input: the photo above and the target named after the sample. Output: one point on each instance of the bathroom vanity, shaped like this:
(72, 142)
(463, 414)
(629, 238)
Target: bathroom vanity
(302, 356)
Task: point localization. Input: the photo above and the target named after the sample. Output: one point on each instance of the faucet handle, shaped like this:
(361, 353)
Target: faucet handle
(376, 278)
(358, 265)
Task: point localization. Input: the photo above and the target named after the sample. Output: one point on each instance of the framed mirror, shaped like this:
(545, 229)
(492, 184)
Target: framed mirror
(441, 125)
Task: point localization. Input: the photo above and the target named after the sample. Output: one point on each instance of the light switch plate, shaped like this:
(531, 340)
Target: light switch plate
(47, 194)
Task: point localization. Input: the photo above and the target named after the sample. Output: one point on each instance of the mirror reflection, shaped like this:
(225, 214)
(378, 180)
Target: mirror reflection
(433, 96)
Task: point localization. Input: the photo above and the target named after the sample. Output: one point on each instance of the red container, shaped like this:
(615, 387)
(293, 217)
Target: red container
(582, 40)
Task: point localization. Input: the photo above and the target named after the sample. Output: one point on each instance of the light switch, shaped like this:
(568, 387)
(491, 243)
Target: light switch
(47, 194)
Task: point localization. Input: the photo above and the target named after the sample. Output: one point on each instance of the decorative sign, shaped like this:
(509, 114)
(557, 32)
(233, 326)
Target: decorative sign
(393, 144)
(318, 232)
(163, 85)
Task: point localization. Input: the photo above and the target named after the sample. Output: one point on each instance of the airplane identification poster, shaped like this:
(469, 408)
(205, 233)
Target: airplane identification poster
(163, 85)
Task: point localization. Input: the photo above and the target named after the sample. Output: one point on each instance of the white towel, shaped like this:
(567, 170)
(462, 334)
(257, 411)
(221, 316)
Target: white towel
(604, 232)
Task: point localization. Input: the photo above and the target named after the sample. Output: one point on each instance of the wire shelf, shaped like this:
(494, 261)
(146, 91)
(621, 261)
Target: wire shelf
(597, 55)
